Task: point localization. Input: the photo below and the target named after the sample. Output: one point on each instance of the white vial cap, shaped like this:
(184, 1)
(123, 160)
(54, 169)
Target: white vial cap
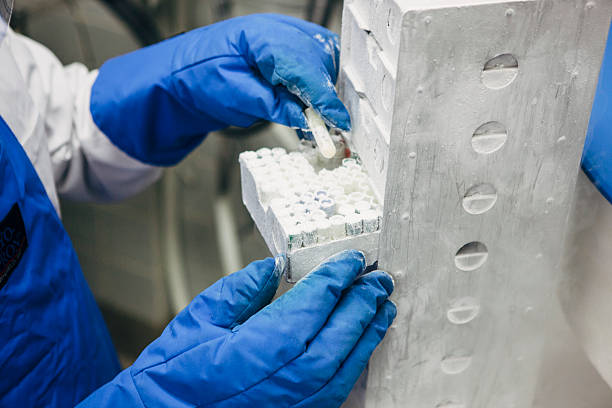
(370, 221)
(309, 233)
(336, 192)
(338, 228)
(247, 156)
(356, 196)
(278, 152)
(346, 210)
(278, 204)
(268, 191)
(257, 163)
(328, 206)
(354, 225)
(321, 195)
(318, 215)
(362, 206)
(264, 152)
(340, 200)
(295, 238)
(307, 197)
(324, 230)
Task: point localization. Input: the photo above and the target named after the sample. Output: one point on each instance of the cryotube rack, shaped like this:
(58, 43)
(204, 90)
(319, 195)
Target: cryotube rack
(308, 209)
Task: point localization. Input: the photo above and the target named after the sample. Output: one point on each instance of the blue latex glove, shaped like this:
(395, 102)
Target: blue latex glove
(228, 349)
(597, 156)
(158, 103)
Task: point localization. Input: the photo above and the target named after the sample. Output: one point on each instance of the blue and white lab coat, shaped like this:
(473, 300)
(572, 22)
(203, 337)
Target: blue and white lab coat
(55, 347)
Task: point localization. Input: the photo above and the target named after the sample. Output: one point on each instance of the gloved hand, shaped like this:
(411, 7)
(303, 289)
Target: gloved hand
(228, 349)
(158, 103)
(597, 156)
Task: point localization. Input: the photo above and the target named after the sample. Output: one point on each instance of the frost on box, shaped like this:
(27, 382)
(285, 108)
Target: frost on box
(309, 207)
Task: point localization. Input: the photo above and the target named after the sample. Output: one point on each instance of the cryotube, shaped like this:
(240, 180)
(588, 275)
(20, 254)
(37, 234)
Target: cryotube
(336, 192)
(346, 210)
(362, 206)
(328, 206)
(278, 152)
(295, 238)
(300, 219)
(356, 197)
(311, 208)
(257, 163)
(264, 152)
(341, 171)
(248, 156)
(278, 203)
(315, 185)
(307, 197)
(349, 162)
(286, 162)
(318, 215)
(324, 229)
(364, 187)
(354, 225)
(268, 191)
(342, 200)
(370, 221)
(321, 195)
(338, 228)
(298, 209)
(320, 133)
(309, 233)
(283, 212)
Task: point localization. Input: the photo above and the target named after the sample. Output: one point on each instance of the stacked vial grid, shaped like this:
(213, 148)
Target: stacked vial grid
(314, 204)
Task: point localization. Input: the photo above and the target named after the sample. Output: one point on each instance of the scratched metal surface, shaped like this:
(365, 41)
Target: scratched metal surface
(491, 358)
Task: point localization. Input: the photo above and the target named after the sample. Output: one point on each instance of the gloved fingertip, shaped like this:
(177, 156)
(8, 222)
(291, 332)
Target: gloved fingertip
(378, 279)
(352, 258)
(346, 124)
(263, 264)
(346, 128)
(392, 279)
(392, 310)
(338, 118)
(350, 254)
(387, 282)
(384, 318)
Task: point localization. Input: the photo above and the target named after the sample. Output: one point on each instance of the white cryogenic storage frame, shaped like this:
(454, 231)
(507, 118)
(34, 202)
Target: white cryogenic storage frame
(470, 116)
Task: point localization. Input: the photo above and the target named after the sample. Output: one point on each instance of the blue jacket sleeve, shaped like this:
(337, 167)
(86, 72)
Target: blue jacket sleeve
(158, 103)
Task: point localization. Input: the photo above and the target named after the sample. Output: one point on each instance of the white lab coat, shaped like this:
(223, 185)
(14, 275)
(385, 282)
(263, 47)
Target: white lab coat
(46, 105)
